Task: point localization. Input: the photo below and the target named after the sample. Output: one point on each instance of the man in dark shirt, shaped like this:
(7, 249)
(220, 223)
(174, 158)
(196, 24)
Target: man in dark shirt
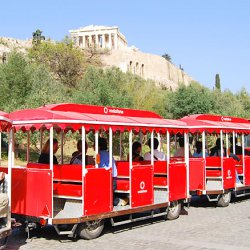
(238, 149)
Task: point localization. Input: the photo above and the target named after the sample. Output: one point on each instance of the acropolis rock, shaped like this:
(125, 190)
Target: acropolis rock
(129, 59)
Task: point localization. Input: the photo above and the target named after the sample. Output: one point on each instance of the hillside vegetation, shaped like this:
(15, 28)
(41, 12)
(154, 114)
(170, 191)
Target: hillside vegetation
(58, 72)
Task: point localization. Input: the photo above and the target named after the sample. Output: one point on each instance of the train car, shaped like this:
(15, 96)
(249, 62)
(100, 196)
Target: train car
(5, 185)
(82, 196)
(218, 175)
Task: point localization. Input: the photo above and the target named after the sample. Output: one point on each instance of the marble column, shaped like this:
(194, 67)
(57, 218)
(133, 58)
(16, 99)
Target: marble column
(115, 41)
(103, 41)
(110, 41)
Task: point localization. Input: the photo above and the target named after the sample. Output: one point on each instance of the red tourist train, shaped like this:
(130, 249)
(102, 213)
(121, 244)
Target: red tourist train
(215, 176)
(83, 196)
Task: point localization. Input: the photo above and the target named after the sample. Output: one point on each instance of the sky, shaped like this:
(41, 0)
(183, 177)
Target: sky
(205, 37)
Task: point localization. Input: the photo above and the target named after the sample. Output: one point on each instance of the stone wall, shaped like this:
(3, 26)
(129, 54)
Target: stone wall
(9, 44)
(148, 66)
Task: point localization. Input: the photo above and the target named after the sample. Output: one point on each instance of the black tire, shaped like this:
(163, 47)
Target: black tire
(174, 210)
(224, 200)
(90, 229)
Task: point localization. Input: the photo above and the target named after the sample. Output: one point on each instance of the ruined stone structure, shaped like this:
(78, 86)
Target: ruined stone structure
(117, 54)
(9, 44)
(129, 59)
(99, 37)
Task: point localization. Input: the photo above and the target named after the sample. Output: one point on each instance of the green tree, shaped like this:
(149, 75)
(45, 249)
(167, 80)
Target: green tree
(167, 57)
(14, 79)
(244, 98)
(217, 82)
(192, 99)
(44, 89)
(37, 37)
(226, 103)
(66, 62)
(102, 87)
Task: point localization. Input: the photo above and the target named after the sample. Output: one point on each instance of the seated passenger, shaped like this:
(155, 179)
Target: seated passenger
(158, 156)
(104, 159)
(4, 201)
(238, 149)
(180, 152)
(198, 152)
(45, 155)
(77, 155)
(216, 150)
(136, 151)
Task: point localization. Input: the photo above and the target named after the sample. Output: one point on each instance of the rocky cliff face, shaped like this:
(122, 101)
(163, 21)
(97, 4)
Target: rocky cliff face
(9, 44)
(147, 66)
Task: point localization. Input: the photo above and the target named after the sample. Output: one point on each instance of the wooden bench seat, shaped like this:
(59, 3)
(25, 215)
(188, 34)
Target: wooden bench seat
(65, 190)
(213, 173)
(122, 185)
(160, 181)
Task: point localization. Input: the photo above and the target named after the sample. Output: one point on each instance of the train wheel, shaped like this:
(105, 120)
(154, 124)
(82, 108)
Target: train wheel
(90, 229)
(174, 210)
(224, 200)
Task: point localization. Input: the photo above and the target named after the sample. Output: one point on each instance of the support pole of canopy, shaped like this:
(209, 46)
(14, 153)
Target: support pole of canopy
(234, 142)
(62, 141)
(83, 165)
(227, 144)
(243, 157)
(110, 148)
(28, 147)
(152, 147)
(186, 142)
(51, 163)
(221, 156)
(96, 149)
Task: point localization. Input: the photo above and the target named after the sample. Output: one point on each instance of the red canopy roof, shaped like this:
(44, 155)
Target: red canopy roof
(215, 123)
(5, 122)
(73, 116)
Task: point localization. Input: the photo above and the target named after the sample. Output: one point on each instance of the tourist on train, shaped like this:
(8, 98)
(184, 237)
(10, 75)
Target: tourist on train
(45, 155)
(104, 159)
(77, 155)
(158, 156)
(216, 150)
(198, 152)
(180, 152)
(238, 149)
(136, 152)
(4, 201)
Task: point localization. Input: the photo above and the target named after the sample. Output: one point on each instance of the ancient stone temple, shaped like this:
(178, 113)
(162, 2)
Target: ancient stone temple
(129, 58)
(99, 37)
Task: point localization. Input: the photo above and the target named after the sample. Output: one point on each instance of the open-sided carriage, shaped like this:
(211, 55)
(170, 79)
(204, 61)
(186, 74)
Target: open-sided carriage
(215, 176)
(82, 195)
(5, 185)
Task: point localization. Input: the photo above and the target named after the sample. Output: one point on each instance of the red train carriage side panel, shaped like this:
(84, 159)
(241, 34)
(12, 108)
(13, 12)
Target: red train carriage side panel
(98, 191)
(142, 186)
(177, 181)
(31, 192)
(196, 174)
(247, 170)
(229, 173)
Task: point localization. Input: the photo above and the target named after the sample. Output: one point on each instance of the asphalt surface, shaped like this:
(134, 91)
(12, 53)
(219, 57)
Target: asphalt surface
(205, 227)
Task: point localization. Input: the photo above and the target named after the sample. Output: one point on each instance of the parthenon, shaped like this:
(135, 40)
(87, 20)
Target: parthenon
(99, 37)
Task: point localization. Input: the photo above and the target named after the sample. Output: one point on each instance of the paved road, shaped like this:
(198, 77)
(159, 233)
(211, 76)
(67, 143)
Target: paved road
(205, 227)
